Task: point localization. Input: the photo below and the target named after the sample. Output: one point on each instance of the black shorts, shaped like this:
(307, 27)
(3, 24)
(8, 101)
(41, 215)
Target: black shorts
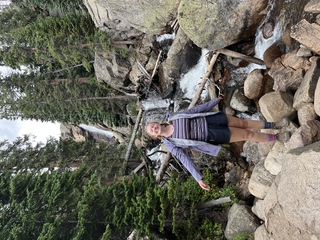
(218, 130)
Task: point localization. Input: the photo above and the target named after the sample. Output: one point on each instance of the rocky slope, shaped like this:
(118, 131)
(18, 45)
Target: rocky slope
(286, 177)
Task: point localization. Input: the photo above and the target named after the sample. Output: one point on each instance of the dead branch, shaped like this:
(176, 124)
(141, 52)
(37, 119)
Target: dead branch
(164, 164)
(213, 202)
(204, 80)
(137, 124)
(126, 158)
(241, 56)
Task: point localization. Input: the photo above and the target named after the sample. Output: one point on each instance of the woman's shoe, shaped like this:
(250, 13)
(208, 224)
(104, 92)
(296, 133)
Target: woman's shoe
(284, 122)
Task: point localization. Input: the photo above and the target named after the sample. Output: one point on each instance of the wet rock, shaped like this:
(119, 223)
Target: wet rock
(253, 84)
(267, 29)
(240, 102)
(271, 54)
(182, 56)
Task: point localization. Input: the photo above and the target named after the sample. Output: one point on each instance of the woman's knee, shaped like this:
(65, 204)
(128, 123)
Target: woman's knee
(237, 122)
(249, 135)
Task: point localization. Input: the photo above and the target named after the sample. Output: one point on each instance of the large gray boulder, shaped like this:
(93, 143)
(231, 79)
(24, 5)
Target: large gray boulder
(216, 24)
(298, 193)
(240, 220)
(113, 70)
(148, 16)
(277, 105)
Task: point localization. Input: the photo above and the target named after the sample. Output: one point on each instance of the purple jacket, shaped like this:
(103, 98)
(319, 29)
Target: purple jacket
(175, 145)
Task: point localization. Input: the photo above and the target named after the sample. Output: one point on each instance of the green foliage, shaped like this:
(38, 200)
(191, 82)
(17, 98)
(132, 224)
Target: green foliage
(64, 204)
(244, 236)
(72, 100)
(186, 195)
(65, 6)
(57, 203)
(49, 42)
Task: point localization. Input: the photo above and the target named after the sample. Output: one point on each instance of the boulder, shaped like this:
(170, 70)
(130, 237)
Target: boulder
(298, 189)
(273, 161)
(306, 91)
(306, 113)
(262, 207)
(110, 23)
(277, 105)
(216, 24)
(288, 71)
(260, 181)
(240, 102)
(271, 54)
(312, 6)
(308, 133)
(317, 98)
(151, 17)
(240, 220)
(253, 84)
(307, 34)
(182, 56)
(113, 69)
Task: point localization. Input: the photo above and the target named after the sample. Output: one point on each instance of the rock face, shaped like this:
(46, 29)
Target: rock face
(285, 179)
(216, 24)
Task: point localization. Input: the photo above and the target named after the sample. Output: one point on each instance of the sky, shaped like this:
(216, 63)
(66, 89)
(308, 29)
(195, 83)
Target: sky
(10, 130)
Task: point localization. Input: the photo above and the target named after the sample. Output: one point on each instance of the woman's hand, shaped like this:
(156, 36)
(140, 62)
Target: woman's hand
(203, 185)
(220, 98)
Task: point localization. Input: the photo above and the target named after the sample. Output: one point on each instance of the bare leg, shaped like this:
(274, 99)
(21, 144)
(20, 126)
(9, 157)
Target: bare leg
(239, 134)
(244, 124)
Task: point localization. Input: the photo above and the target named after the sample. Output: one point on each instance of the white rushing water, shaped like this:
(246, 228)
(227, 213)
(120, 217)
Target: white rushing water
(262, 44)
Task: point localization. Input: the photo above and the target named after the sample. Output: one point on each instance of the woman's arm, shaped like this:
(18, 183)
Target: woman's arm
(187, 162)
(205, 107)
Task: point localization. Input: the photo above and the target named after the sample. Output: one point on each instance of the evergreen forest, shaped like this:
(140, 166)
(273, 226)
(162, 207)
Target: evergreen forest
(80, 190)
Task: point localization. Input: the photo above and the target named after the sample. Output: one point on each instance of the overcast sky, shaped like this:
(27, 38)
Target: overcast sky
(10, 130)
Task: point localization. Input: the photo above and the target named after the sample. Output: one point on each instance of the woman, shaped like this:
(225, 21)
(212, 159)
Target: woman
(202, 130)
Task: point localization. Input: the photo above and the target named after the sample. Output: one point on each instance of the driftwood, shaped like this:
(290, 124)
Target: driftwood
(241, 56)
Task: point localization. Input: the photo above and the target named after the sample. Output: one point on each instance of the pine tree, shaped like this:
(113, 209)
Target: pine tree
(51, 42)
(65, 6)
(70, 100)
(53, 204)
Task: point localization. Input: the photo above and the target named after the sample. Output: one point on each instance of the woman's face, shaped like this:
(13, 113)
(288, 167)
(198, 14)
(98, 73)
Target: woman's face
(153, 129)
